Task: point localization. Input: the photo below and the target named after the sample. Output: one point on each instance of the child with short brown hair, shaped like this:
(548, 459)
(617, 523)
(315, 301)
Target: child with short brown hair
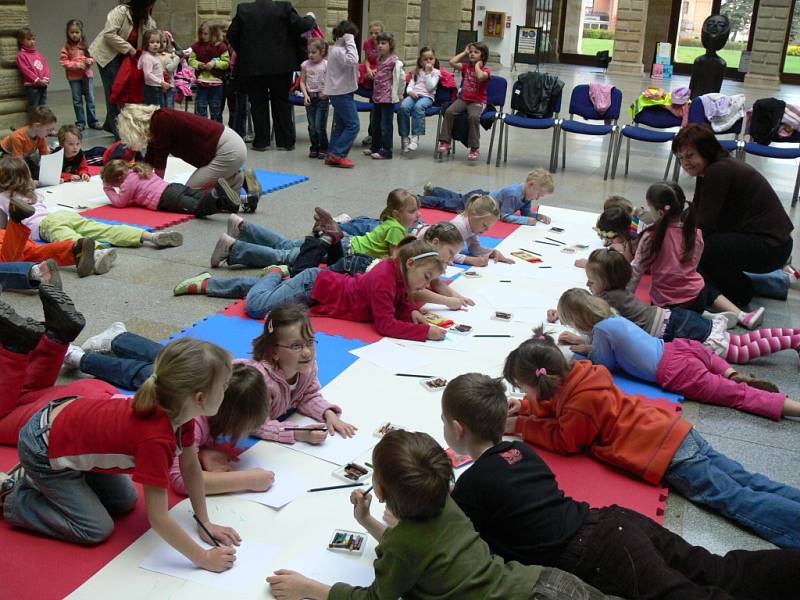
(75, 167)
(33, 67)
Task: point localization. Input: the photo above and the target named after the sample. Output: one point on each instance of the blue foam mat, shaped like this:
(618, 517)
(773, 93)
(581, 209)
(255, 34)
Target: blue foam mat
(271, 181)
(629, 385)
(111, 222)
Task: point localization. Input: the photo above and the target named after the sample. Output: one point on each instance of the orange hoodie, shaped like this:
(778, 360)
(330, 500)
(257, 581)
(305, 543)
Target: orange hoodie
(590, 413)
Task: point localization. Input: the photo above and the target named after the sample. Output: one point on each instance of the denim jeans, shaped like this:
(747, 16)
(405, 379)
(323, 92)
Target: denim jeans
(35, 95)
(169, 98)
(705, 476)
(554, 584)
(360, 226)
(412, 112)
(774, 284)
(128, 367)
(209, 98)
(83, 89)
(317, 115)
(445, 199)
(684, 323)
(345, 125)
(381, 120)
(14, 275)
(352, 264)
(69, 505)
(258, 246)
(270, 292)
(107, 75)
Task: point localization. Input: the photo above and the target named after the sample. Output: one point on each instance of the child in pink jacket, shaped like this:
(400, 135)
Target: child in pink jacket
(140, 186)
(77, 63)
(33, 67)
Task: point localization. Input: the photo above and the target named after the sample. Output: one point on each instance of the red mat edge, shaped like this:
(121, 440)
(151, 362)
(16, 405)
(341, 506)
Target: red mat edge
(105, 213)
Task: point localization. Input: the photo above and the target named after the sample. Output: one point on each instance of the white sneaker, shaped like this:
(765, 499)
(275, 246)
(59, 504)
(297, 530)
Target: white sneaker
(404, 143)
(103, 259)
(167, 239)
(413, 143)
(342, 218)
(101, 343)
(72, 359)
(234, 225)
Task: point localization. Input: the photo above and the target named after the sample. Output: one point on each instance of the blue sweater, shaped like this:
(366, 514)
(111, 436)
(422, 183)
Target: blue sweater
(619, 343)
(511, 199)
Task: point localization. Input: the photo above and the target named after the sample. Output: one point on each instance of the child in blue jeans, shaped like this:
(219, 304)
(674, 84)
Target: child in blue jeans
(312, 84)
(341, 81)
(420, 93)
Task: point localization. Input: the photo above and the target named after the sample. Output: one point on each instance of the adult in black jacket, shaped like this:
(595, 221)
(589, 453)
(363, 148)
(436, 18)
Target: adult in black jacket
(266, 36)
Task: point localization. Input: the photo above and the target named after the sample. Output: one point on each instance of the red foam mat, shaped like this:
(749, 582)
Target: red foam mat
(135, 215)
(501, 229)
(350, 330)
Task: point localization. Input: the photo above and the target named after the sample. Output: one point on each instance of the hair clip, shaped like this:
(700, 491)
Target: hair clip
(154, 375)
(423, 255)
(269, 326)
(541, 372)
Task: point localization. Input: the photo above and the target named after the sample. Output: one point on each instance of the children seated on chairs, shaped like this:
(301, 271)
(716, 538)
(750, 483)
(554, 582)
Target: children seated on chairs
(139, 185)
(433, 551)
(419, 98)
(574, 406)
(30, 142)
(519, 198)
(514, 502)
(472, 98)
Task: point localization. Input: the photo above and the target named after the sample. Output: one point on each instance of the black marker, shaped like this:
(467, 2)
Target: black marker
(556, 241)
(369, 489)
(335, 487)
(531, 252)
(548, 267)
(505, 281)
(208, 533)
(414, 375)
(546, 243)
(487, 335)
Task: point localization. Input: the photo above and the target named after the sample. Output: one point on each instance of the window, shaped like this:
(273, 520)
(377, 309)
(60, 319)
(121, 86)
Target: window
(791, 61)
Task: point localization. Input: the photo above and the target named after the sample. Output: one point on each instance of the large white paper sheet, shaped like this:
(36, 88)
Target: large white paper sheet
(391, 357)
(335, 449)
(332, 567)
(50, 166)
(288, 484)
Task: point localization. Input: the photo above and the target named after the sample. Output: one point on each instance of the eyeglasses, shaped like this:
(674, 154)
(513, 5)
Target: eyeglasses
(299, 346)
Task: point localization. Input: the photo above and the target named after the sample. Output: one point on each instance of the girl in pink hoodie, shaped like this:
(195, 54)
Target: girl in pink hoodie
(77, 64)
(33, 67)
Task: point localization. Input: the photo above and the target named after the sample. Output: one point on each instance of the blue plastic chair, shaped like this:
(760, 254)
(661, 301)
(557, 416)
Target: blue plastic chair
(523, 122)
(779, 152)
(495, 95)
(441, 100)
(698, 115)
(649, 125)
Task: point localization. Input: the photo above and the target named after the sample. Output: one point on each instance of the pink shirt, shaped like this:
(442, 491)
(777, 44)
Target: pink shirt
(384, 80)
(472, 245)
(76, 62)
(675, 283)
(33, 67)
(137, 191)
(153, 69)
(371, 52)
(473, 90)
(315, 75)
(40, 211)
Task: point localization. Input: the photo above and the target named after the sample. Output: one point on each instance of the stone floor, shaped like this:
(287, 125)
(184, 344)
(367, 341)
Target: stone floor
(138, 290)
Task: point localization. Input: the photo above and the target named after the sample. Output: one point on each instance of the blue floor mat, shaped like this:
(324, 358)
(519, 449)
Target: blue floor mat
(630, 385)
(271, 181)
(110, 222)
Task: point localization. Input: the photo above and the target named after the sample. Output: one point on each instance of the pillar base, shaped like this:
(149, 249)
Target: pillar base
(625, 68)
(771, 82)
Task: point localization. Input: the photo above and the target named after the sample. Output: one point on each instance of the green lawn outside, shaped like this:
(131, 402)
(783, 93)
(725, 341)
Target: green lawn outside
(592, 46)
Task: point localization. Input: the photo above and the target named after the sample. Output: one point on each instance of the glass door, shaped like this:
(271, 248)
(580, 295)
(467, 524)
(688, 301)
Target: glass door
(587, 28)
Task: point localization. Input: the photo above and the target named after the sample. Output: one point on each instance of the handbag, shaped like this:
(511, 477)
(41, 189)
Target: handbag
(128, 86)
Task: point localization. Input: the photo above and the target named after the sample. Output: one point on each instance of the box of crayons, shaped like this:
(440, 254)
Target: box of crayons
(353, 473)
(347, 541)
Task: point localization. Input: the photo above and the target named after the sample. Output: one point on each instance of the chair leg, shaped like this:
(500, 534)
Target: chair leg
(491, 140)
(617, 148)
(796, 188)
(564, 151)
(611, 141)
(553, 147)
(676, 170)
(438, 131)
(504, 137)
(627, 155)
(669, 164)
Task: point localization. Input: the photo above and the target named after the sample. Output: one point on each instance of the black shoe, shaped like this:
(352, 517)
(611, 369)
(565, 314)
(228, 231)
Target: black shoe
(260, 148)
(17, 333)
(250, 203)
(252, 184)
(84, 256)
(227, 199)
(62, 320)
(19, 209)
(286, 148)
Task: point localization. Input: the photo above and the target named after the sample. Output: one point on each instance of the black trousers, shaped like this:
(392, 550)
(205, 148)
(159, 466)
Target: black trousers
(726, 256)
(624, 553)
(178, 198)
(271, 91)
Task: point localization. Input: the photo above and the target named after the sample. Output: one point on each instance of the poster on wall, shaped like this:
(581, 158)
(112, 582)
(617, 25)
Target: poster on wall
(526, 49)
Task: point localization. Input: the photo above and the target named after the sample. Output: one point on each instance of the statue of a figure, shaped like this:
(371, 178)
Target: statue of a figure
(709, 69)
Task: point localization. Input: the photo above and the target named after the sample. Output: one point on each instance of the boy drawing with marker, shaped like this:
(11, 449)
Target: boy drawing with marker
(433, 551)
(513, 500)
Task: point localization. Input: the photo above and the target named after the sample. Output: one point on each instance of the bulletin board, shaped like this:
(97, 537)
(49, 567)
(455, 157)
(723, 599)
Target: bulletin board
(527, 46)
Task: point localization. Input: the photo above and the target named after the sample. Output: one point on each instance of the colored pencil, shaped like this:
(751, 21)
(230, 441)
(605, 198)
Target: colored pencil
(531, 252)
(547, 267)
(323, 428)
(415, 375)
(505, 281)
(492, 335)
(556, 241)
(369, 489)
(208, 533)
(369, 465)
(545, 243)
(335, 487)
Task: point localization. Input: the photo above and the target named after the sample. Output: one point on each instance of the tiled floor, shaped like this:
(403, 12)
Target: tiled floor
(138, 290)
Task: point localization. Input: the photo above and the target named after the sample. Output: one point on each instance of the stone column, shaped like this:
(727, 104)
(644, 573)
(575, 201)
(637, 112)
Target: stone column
(214, 10)
(179, 17)
(629, 37)
(443, 24)
(402, 19)
(767, 55)
(657, 29)
(327, 12)
(573, 27)
(13, 15)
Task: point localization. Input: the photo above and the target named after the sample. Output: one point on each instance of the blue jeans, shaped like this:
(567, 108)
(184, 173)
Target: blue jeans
(317, 115)
(774, 284)
(381, 122)
(445, 199)
(258, 246)
(74, 506)
(360, 226)
(412, 112)
(131, 363)
(705, 476)
(271, 292)
(209, 97)
(684, 323)
(14, 275)
(36, 96)
(107, 75)
(169, 98)
(83, 89)
(345, 125)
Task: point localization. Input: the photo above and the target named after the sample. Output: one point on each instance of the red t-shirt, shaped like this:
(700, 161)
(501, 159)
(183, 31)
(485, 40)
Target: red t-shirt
(371, 53)
(102, 435)
(473, 90)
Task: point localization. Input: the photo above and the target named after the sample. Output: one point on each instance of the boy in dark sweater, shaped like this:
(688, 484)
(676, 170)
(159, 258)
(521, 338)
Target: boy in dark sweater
(514, 502)
(433, 552)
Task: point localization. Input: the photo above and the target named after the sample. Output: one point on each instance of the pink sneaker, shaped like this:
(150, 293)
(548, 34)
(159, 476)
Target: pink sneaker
(752, 319)
(443, 148)
(473, 155)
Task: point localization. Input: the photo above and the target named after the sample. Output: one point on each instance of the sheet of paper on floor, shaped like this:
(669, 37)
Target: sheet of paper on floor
(332, 567)
(392, 357)
(336, 449)
(288, 484)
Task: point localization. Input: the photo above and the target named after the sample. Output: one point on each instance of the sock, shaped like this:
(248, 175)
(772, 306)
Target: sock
(746, 347)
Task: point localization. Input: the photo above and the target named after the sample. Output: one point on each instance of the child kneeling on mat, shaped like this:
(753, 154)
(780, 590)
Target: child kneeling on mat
(140, 186)
(574, 406)
(77, 450)
(513, 500)
(433, 551)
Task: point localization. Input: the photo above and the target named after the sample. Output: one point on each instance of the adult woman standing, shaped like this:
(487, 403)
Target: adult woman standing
(745, 227)
(216, 150)
(120, 37)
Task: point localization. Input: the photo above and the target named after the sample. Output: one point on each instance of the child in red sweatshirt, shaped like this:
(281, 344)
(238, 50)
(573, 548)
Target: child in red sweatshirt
(33, 67)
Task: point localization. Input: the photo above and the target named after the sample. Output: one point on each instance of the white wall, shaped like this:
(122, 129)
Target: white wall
(513, 8)
(49, 20)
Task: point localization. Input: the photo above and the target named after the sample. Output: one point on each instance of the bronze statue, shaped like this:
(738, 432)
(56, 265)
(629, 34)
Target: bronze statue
(709, 69)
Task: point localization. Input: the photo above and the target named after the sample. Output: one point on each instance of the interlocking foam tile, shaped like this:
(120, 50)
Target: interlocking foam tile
(630, 385)
(498, 230)
(136, 217)
(271, 181)
(585, 478)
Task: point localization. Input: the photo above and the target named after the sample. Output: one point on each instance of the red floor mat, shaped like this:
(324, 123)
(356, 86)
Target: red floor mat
(500, 229)
(137, 216)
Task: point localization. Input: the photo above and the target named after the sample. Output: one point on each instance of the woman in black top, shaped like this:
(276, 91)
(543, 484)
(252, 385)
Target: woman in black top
(744, 224)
